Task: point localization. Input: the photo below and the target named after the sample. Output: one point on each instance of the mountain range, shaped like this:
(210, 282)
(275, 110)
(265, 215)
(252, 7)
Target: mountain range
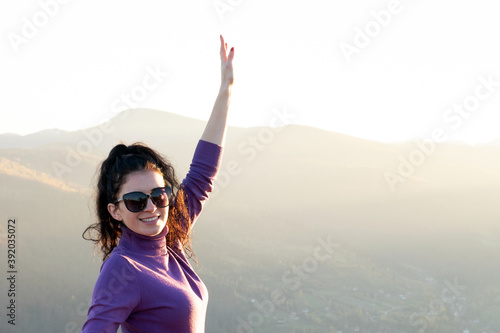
(405, 216)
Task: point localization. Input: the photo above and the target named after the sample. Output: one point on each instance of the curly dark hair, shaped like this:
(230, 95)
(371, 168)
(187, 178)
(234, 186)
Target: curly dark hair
(112, 173)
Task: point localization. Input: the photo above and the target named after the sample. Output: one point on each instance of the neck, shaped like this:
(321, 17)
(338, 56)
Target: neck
(146, 245)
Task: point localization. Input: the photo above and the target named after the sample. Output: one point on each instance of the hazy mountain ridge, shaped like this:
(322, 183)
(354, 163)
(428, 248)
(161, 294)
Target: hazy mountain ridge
(277, 193)
(34, 140)
(308, 167)
(306, 147)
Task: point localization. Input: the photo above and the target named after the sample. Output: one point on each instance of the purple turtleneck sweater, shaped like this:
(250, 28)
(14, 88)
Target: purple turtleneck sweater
(145, 286)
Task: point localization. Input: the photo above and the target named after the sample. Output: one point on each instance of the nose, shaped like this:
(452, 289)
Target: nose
(150, 206)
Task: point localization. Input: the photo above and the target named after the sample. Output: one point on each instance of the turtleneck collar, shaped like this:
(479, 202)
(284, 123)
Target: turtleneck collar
(141, 244)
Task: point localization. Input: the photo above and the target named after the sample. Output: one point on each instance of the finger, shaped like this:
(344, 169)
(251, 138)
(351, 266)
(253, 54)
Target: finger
(231, 55)
(223, 46)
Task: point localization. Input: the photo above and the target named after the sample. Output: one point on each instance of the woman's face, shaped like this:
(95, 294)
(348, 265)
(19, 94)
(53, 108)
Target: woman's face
(151, 220)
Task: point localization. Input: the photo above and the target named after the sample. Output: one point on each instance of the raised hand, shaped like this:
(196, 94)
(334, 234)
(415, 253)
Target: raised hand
(226, 59)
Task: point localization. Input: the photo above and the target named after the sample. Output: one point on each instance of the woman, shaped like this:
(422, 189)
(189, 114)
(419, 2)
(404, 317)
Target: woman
(146, 283)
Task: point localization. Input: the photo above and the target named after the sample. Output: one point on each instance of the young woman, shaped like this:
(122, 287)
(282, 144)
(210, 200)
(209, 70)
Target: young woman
(145, 216)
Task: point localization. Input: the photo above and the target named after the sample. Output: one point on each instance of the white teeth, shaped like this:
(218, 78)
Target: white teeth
(151, 219)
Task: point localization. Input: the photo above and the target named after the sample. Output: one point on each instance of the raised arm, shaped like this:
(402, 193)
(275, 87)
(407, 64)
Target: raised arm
(215, 131)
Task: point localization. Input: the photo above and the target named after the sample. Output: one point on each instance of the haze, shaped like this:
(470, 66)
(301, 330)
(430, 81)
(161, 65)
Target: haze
(307, 230)
(386, 71)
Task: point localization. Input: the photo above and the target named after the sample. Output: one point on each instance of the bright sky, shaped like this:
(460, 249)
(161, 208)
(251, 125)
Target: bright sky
(384, 70)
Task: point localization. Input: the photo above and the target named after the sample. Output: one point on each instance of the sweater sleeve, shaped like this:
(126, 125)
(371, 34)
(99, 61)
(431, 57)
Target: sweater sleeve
(201, 176)
(114, 297)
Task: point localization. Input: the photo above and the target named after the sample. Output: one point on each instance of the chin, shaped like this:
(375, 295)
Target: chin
(153, 230)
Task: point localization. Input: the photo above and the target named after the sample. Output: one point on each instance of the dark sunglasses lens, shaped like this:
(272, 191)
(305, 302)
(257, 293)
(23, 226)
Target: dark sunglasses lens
(161, 196)
(135, 201)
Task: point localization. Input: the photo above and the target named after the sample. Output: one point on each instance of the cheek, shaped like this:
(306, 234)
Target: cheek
(165, 211)
(128, 216)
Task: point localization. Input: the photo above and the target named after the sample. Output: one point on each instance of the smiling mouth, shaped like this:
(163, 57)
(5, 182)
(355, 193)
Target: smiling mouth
(151, 219)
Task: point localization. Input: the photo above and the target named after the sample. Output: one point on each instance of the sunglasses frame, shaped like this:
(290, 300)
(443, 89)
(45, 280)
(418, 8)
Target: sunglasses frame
(168, 191)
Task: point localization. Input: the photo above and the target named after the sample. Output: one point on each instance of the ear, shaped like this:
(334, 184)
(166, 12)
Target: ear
(115, 212)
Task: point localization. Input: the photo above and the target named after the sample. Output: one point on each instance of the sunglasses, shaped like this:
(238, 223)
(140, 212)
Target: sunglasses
(137, 201)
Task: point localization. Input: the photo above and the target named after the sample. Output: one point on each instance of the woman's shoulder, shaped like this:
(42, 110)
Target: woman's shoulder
(118, 260)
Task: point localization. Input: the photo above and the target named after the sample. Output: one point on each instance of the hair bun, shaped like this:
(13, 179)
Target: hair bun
(117, 151)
